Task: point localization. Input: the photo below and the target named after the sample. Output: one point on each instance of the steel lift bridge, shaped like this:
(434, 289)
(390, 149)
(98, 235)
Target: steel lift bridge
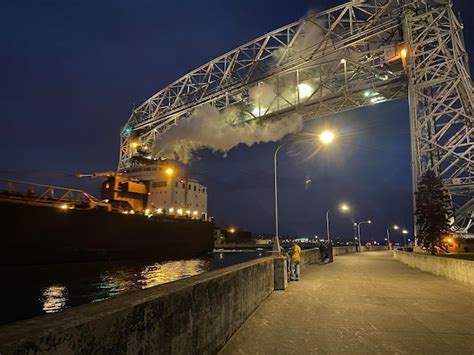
(361, 53)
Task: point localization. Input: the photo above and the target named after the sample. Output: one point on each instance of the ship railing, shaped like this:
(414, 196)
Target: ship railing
(39, 194)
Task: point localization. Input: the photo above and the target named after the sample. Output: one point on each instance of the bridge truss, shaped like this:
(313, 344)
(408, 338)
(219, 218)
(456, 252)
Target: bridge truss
(357, 54)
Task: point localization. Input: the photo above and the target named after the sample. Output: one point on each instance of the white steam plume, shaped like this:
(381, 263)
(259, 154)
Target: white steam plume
(209, 128)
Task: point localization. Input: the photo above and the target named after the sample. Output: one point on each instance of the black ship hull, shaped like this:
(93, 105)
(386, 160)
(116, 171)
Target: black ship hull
(45, 235)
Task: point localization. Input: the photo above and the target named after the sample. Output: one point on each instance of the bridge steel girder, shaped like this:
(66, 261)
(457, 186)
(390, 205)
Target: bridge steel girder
(348, 57)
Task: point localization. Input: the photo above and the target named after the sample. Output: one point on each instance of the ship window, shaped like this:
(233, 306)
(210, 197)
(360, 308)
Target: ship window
(194, 187)
(184, 185)
(176, 184)
(158, 184)
(189, 186)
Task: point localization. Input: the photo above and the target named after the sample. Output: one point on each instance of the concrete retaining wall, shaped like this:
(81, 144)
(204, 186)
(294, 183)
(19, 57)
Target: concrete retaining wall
(195, 315)
(374, 248)
(343, 250)
(310, 256)
(454, 269)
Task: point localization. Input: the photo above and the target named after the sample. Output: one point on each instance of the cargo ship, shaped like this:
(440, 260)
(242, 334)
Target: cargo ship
(148, 212)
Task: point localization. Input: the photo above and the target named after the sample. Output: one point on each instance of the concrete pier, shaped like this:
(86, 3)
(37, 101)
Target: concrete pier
(362, 303)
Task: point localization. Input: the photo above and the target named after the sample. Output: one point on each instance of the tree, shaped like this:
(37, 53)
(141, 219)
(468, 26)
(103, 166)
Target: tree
(433, 210)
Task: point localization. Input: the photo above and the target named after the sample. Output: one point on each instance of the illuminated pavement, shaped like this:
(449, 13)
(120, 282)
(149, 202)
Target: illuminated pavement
(362, 303)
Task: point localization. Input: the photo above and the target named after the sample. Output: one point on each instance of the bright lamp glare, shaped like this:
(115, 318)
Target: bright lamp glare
(345, 207)
(169, 171)
(326, 137)
(304, 90)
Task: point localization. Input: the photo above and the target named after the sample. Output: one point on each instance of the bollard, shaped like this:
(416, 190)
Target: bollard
(280, 273)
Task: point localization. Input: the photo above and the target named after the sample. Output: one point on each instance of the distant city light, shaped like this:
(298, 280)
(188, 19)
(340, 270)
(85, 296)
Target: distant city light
(231, 230)
(180, 211)
(404, 231)
(396, 227)
(64, 207)
(171, 210)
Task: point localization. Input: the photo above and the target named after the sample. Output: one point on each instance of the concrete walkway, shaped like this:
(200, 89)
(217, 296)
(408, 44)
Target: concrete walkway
(362, 303)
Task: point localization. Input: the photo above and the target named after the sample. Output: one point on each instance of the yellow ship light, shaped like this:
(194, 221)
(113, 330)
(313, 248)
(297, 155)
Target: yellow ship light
(180, 211)
(169, 171)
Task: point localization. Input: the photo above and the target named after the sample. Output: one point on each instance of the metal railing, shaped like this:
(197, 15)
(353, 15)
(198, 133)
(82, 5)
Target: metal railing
(44, 195)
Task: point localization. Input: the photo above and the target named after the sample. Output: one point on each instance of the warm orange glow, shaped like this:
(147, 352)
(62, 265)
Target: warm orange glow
(134, 145)
(450, 240)
(231, 230)
(169, 171)
(404, 53)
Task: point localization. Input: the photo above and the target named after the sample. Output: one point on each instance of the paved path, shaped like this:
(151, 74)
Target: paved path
(362, 303)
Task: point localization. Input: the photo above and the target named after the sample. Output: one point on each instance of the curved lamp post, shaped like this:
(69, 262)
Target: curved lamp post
(325, 138)
(344, 207)
(388, 235)
(358, 231)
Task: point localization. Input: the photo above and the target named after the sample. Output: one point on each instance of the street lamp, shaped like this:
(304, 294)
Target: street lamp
(325, 138)
(405, 232)
(358, 231)
(344, 207)
(388, 234)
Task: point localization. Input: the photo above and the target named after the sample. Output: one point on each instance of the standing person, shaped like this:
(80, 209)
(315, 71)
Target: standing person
(295, 261)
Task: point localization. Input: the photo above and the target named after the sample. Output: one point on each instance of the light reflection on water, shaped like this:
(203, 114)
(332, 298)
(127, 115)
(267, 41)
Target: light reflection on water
(32, 291)
(54, 298)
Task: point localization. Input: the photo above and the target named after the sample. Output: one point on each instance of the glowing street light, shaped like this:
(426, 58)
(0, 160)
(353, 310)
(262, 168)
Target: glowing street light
(327, 137)
(358, 231)
(388, 235)
(405, 232)
(343, 207)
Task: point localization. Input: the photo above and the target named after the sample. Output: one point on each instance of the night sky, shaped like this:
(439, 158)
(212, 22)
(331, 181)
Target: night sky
(71, 72)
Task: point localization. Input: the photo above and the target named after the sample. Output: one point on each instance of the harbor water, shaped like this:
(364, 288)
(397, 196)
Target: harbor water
(34, 290)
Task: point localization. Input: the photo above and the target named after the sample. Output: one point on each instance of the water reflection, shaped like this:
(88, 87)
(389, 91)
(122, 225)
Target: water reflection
(54, 298)
(31, 291)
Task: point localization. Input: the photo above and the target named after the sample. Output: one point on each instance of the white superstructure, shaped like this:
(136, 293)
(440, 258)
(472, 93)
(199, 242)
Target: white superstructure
(170, 193)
